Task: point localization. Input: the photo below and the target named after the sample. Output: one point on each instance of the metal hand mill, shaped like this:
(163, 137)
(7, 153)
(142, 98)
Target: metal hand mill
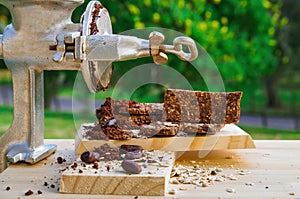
(42, 37)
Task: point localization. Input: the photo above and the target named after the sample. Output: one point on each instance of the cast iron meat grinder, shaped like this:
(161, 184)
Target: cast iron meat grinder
(42, 37)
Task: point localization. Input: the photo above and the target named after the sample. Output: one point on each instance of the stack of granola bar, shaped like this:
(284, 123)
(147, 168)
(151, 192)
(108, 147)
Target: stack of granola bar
(183, 110)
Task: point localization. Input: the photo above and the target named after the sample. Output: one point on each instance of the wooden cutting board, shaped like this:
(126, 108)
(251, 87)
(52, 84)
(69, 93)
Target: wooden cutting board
(152, 181)
(230, 137)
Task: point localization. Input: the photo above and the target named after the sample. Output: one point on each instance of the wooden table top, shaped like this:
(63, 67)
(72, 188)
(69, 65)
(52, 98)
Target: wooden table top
(272, 170)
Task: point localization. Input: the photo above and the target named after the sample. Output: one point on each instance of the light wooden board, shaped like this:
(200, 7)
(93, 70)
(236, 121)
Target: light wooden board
(230, 137)
(273, 164)
(152, 181)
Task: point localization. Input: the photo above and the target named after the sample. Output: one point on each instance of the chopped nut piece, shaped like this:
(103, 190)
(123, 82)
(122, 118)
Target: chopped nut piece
(187, 181)
(232, 177)
(172, 191)
(163, 165)
(219, 169)
(204, 184)
(242, 173)
(230, 190)
(220, 179)
(174, 181)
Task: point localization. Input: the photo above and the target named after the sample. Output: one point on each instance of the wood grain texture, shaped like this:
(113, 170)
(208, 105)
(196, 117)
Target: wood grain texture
(273, 164)
(230, 137)
(152, 181)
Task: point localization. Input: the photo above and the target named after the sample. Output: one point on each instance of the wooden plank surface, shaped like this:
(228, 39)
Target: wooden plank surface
(152, 181)
(230, 137)
(273, 167)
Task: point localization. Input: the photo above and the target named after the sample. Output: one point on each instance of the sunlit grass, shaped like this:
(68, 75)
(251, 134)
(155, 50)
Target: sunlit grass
(58, 125)
(261, 133)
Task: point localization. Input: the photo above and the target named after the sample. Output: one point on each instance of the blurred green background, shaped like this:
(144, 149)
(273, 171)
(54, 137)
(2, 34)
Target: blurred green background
(254, 44)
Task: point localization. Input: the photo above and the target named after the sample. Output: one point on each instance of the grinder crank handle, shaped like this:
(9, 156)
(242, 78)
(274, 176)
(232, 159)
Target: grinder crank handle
(120, 47)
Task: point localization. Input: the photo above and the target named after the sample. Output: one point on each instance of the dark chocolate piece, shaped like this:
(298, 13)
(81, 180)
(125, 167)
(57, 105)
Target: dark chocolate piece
(124, 148)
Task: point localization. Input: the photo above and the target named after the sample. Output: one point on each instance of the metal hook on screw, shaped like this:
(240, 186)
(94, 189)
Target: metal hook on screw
(158, 51)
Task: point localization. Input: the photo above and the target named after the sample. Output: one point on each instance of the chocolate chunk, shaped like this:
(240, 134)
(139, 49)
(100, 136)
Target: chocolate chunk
(28, 193)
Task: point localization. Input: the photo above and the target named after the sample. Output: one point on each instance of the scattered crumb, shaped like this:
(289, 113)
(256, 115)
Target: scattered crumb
(204, 184)
(28, 193)
(39, 192)
(108, 168)
(174, 181)
(172, 191)
(213, 172)
(230, 190)
(60, 160)
(7, 188)
(229, 157)
(292, 193)
(249, 184)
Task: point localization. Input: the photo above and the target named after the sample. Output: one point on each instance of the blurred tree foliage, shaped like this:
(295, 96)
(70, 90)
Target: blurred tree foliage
(286, 75)
(241, 36)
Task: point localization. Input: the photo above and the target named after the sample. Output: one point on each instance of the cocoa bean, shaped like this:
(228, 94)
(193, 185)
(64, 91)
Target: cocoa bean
(131, 167)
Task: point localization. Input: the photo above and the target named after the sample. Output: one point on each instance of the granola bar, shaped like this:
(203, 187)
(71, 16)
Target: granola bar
(132, 107)
(130, 110)
(202, 107)
(109, 130)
